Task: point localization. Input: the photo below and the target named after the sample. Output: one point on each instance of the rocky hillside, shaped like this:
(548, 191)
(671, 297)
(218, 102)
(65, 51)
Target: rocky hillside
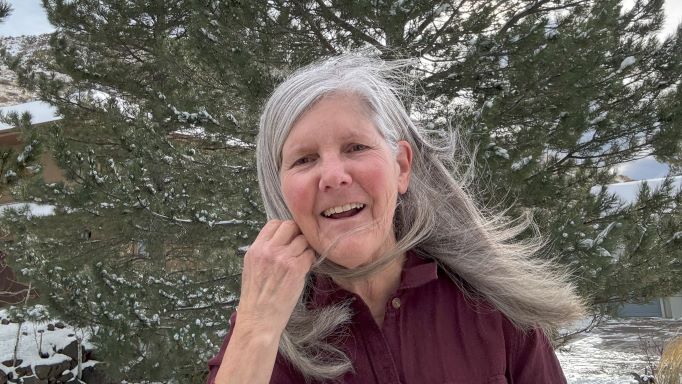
(37, 350)
(10, 92)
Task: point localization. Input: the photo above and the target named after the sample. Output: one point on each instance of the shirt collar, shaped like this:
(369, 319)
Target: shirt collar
(417, 271)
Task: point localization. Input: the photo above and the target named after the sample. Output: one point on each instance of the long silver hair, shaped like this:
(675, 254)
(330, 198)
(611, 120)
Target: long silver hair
(436, 218)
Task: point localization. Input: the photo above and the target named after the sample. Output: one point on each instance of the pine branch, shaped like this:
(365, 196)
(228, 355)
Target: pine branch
(357, 33)
(536, 8)
(316, 30)
(439, 32)
(5, 10)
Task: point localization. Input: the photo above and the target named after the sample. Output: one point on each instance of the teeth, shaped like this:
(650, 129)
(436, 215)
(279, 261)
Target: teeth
(342, 208)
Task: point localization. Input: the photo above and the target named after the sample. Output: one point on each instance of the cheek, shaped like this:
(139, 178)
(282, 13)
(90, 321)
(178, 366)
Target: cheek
(297, 197)
(380, 182)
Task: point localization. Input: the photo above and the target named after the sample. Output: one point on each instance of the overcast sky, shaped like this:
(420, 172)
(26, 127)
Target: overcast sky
(29, 18)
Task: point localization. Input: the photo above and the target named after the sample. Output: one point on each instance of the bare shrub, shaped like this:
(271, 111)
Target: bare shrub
(670, 366)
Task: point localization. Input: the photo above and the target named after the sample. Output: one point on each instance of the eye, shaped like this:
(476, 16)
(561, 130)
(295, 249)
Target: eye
(357, 147)
(303, 160)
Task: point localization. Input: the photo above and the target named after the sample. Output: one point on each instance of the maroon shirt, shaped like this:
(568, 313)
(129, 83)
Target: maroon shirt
(431, 334)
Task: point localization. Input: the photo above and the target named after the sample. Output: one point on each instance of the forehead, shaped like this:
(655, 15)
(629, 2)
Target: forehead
(334, 117)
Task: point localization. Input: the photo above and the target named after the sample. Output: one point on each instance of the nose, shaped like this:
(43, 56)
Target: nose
(333, 174)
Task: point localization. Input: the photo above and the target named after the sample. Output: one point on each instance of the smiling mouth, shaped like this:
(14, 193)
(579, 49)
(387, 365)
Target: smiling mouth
(343, 211)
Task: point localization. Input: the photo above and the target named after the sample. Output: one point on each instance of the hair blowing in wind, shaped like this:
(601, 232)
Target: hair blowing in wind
(437, 218)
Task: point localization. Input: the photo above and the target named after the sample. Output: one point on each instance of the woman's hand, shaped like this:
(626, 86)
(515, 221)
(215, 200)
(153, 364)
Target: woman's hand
(274, 273)
(275, 267)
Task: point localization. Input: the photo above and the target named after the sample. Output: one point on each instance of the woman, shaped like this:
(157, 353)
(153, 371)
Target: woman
(376, 266)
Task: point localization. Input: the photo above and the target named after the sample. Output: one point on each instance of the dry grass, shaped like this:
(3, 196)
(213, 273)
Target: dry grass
(670, 366)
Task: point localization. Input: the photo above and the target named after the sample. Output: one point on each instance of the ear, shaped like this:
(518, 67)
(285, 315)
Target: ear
(404, 160)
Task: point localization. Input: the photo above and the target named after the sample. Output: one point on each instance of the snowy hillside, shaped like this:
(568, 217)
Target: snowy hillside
(10, 93)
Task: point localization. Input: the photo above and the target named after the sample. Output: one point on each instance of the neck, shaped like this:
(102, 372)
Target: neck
(375, 290)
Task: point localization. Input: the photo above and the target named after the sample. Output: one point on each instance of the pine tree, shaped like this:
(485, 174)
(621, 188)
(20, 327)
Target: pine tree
(5, 10)
(160, 103)
(160, 193)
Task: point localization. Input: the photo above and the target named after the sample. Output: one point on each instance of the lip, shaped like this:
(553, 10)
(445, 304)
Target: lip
(364, 205)
(340, 221)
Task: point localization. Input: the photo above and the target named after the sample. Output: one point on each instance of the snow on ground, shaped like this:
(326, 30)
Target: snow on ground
(31, 209)
(30, 344)
(608, 353)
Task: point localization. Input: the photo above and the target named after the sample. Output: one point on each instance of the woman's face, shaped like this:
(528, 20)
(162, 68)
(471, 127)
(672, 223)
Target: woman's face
(341, 180)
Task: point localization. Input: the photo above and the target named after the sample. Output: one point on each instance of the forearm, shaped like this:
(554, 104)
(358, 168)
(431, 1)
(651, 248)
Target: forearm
(249, 357)
(274, 274)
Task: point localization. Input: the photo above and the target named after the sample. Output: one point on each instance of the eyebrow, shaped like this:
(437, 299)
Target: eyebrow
(352, 133)
(296, 150)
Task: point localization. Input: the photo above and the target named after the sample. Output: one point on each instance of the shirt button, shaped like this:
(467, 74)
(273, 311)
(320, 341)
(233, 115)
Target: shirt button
(395, 303)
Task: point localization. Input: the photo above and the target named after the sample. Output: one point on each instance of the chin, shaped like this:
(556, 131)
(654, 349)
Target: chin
(350, 264)
(355, 247)
(351, 256)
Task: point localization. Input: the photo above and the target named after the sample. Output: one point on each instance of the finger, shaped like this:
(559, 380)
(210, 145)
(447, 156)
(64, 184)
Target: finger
(308, 256)
(298, 245)
(286, 232)
(269, 229)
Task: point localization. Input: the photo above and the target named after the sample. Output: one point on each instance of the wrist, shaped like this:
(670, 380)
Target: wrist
(249, 354)
(256, 334)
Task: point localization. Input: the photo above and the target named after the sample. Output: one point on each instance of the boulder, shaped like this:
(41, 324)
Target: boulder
(33, 380)
(93, 375)
(43, 371)
(64, 378)
(8, 363)
(91, 354)
(71, 350)
(23, 371)
(51, 371)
